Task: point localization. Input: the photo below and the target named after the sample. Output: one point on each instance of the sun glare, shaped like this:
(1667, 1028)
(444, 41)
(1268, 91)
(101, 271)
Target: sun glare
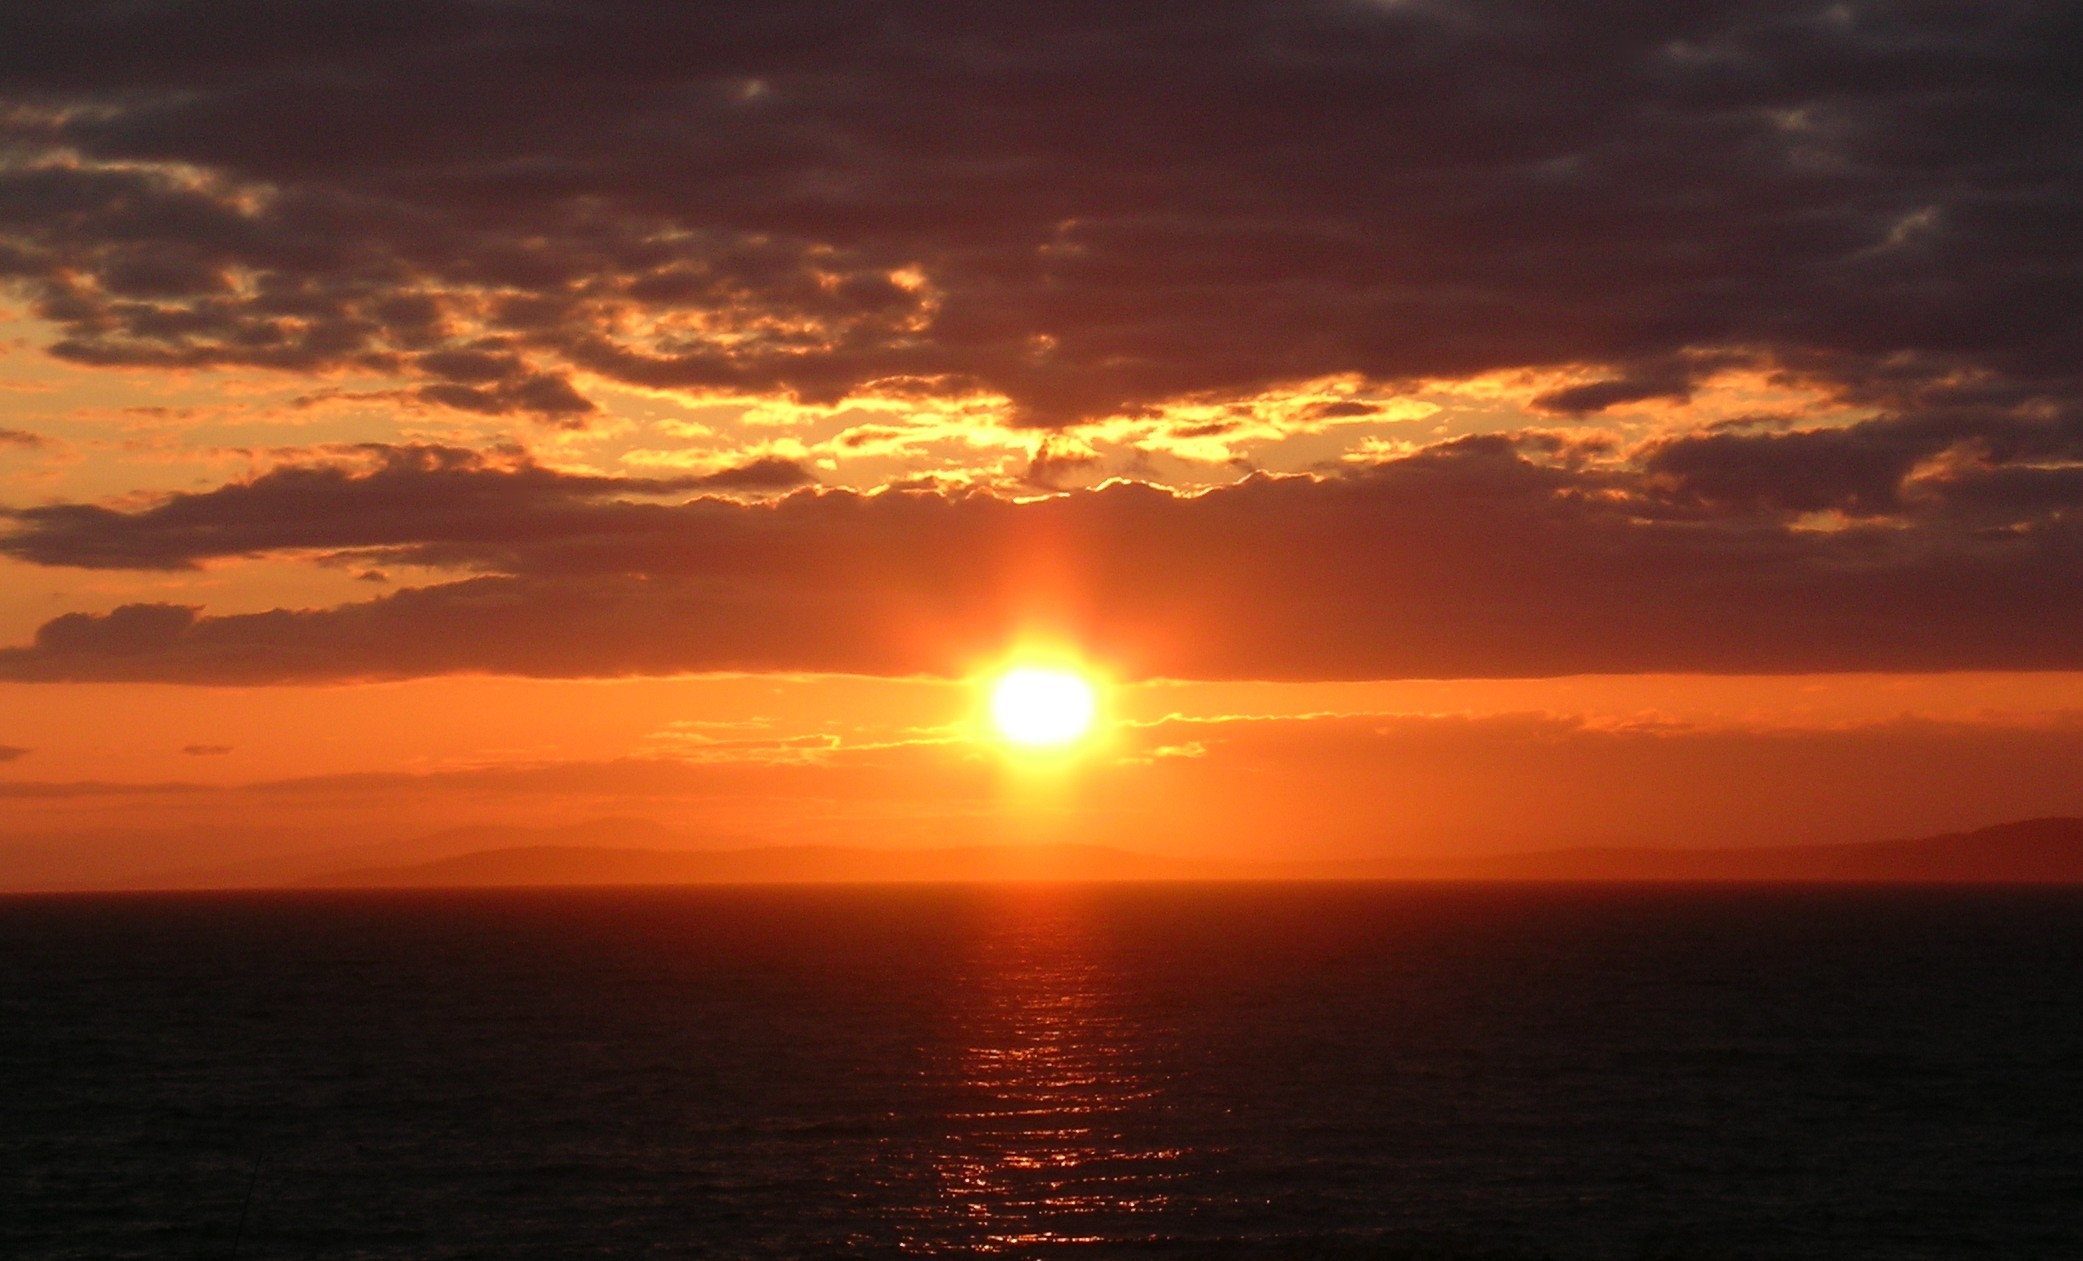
(1041, 707)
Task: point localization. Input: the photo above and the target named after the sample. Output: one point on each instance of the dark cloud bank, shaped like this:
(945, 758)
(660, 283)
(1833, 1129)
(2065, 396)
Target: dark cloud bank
(1084, 206)
(1089, 208)
(1478, 557)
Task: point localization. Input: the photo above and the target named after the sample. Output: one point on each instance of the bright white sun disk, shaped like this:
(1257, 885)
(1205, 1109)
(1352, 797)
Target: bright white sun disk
(1037, 706)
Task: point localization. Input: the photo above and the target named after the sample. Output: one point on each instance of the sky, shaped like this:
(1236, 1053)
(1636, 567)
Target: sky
(1436, 426)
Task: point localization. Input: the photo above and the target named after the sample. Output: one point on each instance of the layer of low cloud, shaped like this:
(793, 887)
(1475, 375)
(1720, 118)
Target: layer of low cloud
(1910, 548)
(1082, 208)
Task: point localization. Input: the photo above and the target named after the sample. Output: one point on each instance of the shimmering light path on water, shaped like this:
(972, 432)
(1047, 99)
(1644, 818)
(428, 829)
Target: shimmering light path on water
(1058, 1135)
(1191, 1071)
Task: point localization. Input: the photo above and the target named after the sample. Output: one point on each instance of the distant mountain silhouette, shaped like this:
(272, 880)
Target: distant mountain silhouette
(592, 834)
(590, 865)
(299, 865)
(2036, 851)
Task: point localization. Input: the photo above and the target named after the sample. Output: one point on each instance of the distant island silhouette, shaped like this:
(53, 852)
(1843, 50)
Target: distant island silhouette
(2034, 851)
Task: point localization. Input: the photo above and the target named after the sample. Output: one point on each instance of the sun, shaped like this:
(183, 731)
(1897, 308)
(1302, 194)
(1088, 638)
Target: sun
(1041, 707)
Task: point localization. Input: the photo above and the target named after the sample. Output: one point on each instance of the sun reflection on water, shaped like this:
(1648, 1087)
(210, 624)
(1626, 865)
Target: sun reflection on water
(1056, 1083)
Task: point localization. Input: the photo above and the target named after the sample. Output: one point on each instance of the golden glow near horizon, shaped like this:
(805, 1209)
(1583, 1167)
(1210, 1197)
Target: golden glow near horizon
(1043, 706)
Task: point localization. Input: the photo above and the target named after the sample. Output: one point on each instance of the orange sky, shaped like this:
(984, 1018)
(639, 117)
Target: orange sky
(385, 447)
(1232, 770)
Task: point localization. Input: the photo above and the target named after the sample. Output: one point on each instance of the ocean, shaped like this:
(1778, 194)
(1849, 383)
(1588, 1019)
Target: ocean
(1342, 1071)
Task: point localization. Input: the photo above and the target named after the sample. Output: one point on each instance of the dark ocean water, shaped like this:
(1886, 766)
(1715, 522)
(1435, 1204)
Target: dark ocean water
(1344, 1071)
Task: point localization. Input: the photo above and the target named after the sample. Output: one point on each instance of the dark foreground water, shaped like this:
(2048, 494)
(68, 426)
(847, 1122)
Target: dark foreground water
(1247, 1071)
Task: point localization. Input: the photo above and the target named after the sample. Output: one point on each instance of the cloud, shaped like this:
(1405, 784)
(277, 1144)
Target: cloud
(11, 753)
(1081, 208)
(1060, 466)
(1473, 558)
(20, 438)
(206, 750)
(1052, 213)
(766, 473)
(375, 496)
(2013, 463)
(1597, 396)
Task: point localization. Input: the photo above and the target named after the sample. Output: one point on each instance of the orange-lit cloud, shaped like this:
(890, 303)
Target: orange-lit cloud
(1207, 199)
(1474, 558)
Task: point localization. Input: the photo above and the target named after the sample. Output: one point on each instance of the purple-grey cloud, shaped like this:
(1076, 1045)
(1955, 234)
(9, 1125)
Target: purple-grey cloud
(406, 496)
(767, 473)
(1476, 557)
(1085, 207)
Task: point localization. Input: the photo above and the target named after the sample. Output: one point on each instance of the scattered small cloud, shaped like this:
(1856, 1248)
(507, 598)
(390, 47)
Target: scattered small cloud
(1061, 464)
(764, 474)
